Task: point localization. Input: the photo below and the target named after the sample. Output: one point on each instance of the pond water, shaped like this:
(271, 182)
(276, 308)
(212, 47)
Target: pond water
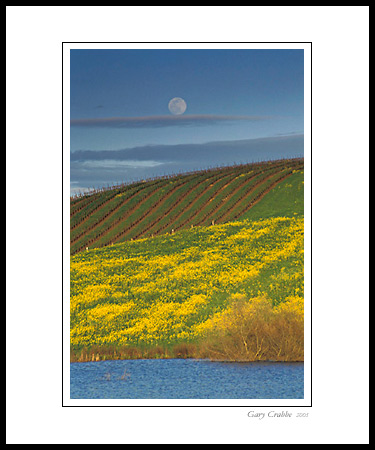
(185, 379)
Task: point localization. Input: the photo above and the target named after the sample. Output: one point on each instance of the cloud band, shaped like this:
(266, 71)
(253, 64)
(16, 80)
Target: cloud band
(161, 121)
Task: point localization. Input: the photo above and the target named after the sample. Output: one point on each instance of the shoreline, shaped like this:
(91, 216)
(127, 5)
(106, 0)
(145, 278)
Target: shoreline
(227, 361)
(180, 351)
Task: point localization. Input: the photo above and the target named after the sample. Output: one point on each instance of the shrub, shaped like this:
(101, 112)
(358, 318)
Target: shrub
(254, 330)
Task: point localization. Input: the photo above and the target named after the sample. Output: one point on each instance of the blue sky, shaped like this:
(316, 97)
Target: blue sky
(119, 100)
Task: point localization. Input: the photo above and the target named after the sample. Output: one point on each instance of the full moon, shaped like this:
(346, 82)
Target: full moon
(177, 106)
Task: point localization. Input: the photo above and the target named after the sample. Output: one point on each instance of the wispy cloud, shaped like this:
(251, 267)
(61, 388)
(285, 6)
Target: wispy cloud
(112, 164)
(161, 121)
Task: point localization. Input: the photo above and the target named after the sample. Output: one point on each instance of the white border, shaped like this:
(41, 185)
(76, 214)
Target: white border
(307, 154)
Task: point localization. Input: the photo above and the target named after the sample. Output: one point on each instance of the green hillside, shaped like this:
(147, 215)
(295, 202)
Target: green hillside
(167, 289)
(169, 204)
(173, 260)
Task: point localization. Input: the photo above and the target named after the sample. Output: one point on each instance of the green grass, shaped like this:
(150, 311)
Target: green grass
(285, 200)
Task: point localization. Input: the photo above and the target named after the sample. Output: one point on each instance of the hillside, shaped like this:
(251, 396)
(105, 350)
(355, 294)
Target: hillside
(168, 290)
(170, 204)
(180, 258)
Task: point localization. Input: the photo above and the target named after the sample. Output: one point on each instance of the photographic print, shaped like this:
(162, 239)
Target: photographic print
(165, 169)
(189, 169)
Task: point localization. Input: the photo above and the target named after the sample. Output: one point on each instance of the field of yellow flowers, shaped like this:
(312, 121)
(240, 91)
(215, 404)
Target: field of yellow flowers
(167, 290)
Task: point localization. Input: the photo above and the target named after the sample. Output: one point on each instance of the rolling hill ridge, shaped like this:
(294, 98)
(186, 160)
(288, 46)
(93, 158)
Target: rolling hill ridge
(172, 203)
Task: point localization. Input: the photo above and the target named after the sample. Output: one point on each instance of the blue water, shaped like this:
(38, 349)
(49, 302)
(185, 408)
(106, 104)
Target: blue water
(185, 379)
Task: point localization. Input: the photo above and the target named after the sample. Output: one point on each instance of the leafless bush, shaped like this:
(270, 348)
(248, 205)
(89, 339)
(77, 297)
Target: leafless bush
(254, 330)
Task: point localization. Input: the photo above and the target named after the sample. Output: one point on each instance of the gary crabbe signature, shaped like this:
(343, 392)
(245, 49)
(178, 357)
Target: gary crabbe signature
(275, 414)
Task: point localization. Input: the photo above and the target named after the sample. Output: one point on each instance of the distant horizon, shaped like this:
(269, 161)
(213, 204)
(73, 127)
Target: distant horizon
(77, 192)
(92, 170)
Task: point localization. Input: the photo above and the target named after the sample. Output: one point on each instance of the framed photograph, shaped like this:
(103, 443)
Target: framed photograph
(187, 224)
(187, 253)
